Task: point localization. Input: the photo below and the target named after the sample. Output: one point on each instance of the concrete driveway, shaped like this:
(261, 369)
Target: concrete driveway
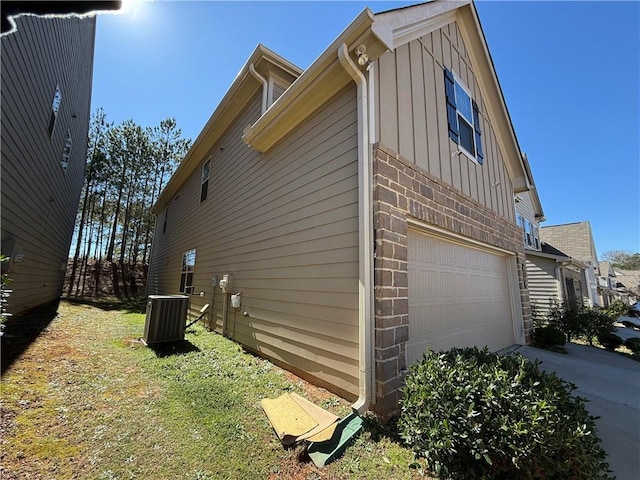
(611, 383)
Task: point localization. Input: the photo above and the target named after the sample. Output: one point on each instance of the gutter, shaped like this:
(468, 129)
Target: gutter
(365, 240)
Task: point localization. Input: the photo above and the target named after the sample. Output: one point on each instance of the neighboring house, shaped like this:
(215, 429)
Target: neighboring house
(46, 76)
(607, 283)
(362, 208)
(553, 277)
(576, 241)
(628, 284)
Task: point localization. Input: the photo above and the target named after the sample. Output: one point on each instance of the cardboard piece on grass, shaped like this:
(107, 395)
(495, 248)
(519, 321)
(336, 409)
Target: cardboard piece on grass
(294, 419)
(288, 419)
(327, 421)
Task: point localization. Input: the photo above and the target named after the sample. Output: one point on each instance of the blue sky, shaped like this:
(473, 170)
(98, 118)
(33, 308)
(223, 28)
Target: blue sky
(570, 74)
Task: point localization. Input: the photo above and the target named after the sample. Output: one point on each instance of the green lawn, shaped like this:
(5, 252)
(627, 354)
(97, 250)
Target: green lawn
(88, 400)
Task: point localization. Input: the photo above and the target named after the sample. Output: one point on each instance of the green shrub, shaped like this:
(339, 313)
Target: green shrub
(473, 414)
(593, 322)
(564, 316)
(633, 344)
(548, 335)
(617, 309)
(610, 341)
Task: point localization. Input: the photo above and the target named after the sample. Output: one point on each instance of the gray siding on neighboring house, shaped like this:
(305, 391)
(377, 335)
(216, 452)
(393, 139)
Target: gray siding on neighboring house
(542, 283)
(39, 199)
(285, 225)
(411, 117)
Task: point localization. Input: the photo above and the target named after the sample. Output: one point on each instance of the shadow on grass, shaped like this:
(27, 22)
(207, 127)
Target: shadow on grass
(131, 305)
(168, 349)
(22, 330)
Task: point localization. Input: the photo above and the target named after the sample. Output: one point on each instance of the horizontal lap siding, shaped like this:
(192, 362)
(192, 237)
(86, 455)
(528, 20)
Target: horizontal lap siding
(412, 117)
(285, 225)
(542, 283)
(40, 201)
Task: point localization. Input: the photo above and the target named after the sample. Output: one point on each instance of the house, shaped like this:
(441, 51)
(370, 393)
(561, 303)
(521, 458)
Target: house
(607, 284)
(47, 66)
(627, 284)
(552, 276)
(356, 212)
(576, 240)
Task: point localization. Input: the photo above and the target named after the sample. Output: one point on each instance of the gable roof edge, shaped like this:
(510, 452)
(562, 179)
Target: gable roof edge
(325, 74)
(220, 119)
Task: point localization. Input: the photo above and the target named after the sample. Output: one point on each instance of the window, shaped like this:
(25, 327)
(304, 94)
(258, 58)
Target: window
(206, 167)
(188, 266)
(66, 153)
(463, 117)
(164, 224)
(55, 107)
(527, 233)
(531, 233)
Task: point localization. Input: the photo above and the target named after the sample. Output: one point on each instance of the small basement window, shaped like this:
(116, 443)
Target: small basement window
(188, 267)
(204, 188)
(463, 117)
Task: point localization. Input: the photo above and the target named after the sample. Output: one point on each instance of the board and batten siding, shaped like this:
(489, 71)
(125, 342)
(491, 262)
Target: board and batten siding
(39, 199)
(542, 284)
(285, 225)
(411, 117)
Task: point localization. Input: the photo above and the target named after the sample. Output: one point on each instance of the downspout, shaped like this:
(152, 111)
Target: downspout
(560, 280)
(365, 223)
(265, 86)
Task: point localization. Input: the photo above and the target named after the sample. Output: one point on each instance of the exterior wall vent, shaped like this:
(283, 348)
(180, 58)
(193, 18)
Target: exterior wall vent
(166, 318)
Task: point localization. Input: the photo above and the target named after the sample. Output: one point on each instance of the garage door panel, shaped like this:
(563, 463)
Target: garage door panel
(458, 296)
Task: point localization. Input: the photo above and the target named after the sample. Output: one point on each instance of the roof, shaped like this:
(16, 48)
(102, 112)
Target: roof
(240, 92)
(11, 9)
(325, 76)
(535, 199)
(575, 239)
(549, 251)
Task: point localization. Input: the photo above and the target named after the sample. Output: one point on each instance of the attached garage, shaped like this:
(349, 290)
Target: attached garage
(459, 295)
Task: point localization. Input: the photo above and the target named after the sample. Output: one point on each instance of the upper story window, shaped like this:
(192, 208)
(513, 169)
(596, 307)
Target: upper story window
(55, 107)
(531, 233)
(463, 117)
(204, 189)
(188, 267)
(66, 152)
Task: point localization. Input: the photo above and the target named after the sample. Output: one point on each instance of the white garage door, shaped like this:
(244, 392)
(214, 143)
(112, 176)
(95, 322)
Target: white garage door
(458, 296)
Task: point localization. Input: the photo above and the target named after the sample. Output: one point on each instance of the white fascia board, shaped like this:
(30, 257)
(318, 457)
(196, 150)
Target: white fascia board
(270, 127)
(398, 27)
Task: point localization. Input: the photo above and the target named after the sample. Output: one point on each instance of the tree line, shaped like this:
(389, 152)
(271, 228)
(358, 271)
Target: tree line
(127, 167)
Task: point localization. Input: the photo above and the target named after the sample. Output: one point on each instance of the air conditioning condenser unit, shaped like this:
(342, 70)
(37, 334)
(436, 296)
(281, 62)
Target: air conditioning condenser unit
(166, 318)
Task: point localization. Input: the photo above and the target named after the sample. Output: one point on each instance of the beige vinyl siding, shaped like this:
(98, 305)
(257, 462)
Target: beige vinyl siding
(411, 117)
(278, 90)
(40, 200)
(542, 283)
(525, 207)
(285, 225)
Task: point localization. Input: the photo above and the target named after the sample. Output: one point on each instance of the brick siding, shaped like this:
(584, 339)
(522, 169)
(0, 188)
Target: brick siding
(403, 190)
